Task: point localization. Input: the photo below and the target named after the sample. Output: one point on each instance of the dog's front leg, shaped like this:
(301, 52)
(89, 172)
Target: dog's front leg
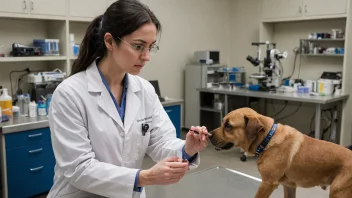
(265, 189)
(289, 192)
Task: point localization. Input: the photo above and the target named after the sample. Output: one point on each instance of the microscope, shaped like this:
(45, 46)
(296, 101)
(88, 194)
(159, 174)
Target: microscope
(271, 71)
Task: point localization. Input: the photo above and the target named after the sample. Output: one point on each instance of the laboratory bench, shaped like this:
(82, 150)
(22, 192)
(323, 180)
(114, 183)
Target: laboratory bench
(206, 101)
(27, 158)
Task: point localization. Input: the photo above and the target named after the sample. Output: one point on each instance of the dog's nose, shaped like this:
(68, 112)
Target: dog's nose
(211, 134)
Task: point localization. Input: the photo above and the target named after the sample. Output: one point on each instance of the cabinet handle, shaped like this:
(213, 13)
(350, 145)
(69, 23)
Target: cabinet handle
(25, 5)
(32, 5)
(306, 8)
(35, 135)
(36, 151)
(168, 111)
(37, 169)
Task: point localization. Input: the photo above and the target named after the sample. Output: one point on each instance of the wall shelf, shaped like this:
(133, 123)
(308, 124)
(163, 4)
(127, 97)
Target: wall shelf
(327, 39)
(324, 55)
(37, 58)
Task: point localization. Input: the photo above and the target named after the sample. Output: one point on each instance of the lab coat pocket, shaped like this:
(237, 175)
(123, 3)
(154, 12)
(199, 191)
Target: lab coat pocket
(143, 142)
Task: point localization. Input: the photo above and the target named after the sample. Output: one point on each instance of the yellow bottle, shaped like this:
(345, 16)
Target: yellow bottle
(6, 103)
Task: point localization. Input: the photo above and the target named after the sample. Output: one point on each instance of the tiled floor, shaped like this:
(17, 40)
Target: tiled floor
(228, 159)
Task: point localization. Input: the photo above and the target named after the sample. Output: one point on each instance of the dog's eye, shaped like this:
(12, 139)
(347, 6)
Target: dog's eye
(228, 126)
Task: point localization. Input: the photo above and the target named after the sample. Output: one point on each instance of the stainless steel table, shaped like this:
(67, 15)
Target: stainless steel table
(210, 183)
(306, 98)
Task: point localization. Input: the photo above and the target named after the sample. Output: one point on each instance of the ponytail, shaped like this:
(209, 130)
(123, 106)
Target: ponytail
(91, 47)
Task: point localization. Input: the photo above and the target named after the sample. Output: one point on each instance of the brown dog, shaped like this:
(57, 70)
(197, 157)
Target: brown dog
(285, 155)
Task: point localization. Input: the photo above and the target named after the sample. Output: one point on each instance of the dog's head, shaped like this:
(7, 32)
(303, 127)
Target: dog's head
(239, 128)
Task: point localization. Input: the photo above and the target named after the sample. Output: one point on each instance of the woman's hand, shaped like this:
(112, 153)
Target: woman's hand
(167, 171)
(197, 139)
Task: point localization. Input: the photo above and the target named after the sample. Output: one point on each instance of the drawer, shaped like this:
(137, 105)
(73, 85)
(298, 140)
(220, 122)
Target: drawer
(26, 180)
(25, 138)
(174, 113)
(29, 153)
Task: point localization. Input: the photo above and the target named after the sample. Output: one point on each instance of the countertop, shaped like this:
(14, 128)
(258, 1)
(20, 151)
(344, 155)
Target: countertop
(28, 123)
(278, 95)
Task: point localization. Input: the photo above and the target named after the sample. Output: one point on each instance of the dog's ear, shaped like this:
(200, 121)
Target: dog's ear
(253, 126)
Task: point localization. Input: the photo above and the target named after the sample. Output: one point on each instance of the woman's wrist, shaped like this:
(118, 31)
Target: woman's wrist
(144, 178)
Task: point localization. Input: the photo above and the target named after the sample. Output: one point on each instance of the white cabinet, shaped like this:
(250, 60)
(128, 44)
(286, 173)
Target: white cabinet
(14, 6)
(290, 10)
(86, 8)
(31, 8)
(48, 7)
(276, 9)
(324, 7)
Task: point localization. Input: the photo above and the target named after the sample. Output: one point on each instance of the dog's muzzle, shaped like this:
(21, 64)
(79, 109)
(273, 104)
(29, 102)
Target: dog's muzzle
(226, 147)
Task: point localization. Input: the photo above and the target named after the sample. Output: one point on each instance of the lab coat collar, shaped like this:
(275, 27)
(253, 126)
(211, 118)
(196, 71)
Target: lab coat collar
(105, 102)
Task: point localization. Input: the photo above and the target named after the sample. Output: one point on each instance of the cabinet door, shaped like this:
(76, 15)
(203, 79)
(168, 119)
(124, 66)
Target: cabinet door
(174, 113)
(324, 7)
(48, 7)
(14, 6)
(86, 8)
(277, 9)
(30, 178)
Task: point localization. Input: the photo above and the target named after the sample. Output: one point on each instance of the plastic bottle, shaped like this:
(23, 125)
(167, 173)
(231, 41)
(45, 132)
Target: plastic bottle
(32, 109)
(16, 111)
(6, 103)
(41, 108)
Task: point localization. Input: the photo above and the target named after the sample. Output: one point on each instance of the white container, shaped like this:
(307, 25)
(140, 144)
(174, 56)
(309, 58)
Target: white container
(325, 87)
(32, 109)
(16, 111)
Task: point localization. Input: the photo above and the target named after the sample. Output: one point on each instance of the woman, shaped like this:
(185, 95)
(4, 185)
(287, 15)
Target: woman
(104, 119)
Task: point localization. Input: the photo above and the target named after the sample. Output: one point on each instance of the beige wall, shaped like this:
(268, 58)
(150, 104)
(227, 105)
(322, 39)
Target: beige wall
(188, 25)
(245, 18)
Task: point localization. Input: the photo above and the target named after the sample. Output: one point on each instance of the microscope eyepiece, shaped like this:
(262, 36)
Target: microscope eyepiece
(252, 60)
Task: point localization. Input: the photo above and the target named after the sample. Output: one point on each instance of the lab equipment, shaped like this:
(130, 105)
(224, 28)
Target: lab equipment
(6, 103)
(43, 83)
(230, 77)
(23, 50)
(207, 57)
(50, 76)
(270, 72)
(198, 76)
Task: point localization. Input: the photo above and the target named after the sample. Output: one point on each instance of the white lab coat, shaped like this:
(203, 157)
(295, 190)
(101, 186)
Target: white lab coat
(96, 154)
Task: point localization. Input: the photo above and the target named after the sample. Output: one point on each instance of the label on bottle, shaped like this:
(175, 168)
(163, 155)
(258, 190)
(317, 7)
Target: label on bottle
(6, 107)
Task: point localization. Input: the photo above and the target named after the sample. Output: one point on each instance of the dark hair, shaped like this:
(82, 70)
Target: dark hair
(120, 19)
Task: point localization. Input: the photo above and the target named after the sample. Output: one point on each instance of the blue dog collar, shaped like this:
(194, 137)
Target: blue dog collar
(265, 142)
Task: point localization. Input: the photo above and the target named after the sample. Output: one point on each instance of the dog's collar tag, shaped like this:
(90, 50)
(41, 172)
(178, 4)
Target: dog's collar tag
(265, 142)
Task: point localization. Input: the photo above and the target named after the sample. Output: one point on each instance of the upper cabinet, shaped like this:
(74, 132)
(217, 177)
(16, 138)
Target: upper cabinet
(86, 8)
(48, 7)
(32, 8)
(324, 7)
(290, 10)
(273, 9)
(14, 6)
